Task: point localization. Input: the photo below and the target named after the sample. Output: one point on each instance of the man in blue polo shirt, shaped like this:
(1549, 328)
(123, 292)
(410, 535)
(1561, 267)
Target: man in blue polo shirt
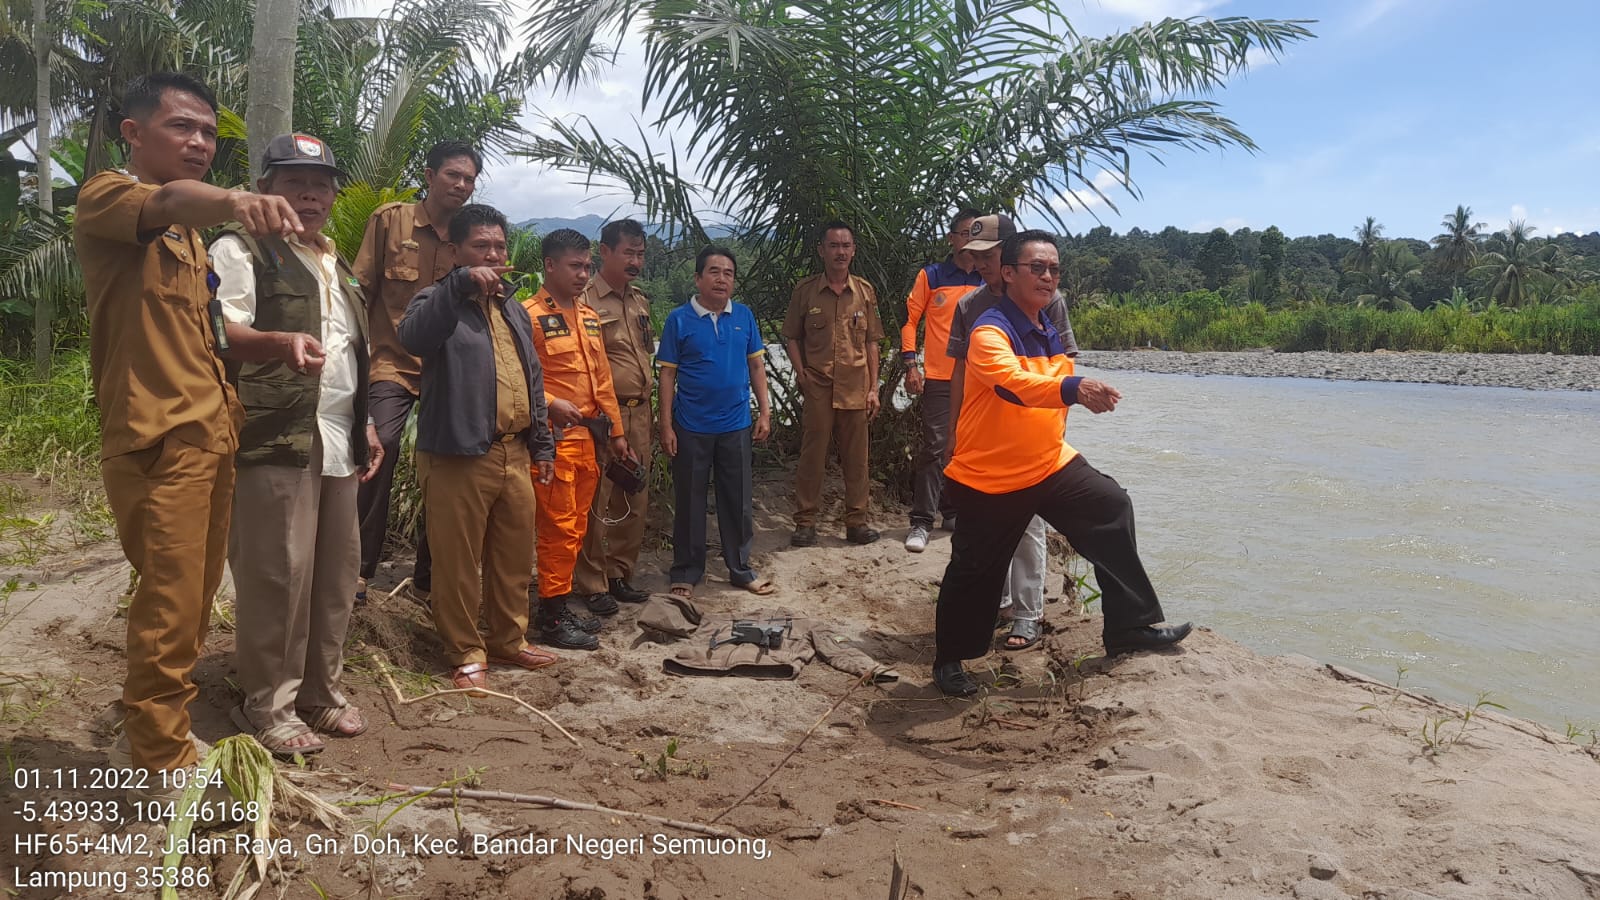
(711, 355)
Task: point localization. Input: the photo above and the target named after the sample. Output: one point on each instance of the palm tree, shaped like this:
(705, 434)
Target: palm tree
(1369, 236)
(1387, 278)
(797, 113)
(1514, 265)
(272, 54)
(1455, 250)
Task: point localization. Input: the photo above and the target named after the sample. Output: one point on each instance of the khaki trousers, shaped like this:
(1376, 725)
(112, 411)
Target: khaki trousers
(847, 428)
(562, 515)
(612, 551)
(480, 518)
(172, 504)
(294, 550)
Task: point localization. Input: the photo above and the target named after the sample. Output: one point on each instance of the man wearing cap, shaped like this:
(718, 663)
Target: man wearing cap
(296, 326)
(934, 296)
(1012, 463)
(583, 407)
(168, 417)
(832, 332)
(617, 518)
(481, 432)
(405, 249)
(1023, 592)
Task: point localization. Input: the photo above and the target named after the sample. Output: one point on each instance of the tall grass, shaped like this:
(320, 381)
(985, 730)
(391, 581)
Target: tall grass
(51, 431)
(1202, 321)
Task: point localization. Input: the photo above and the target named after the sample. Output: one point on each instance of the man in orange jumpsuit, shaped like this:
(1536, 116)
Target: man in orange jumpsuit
(583, 404)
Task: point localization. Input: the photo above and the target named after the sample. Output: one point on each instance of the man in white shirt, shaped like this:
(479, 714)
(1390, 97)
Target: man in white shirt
(296, 328)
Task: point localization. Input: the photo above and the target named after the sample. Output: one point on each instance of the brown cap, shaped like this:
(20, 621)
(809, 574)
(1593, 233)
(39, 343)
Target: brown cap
(299, 150)
(988, 231)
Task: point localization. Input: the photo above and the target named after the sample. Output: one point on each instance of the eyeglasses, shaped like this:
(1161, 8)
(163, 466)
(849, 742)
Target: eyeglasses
(1040, 269)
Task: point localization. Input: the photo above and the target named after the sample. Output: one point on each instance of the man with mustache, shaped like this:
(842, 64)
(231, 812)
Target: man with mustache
(296, 325)
(406, 248)
(832, 332)
(481, 432)
(617, 518)
(169, 420)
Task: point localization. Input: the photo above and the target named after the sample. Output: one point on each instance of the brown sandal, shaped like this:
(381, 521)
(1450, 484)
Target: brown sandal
(339, 721)
(529, 658)
(472, 678)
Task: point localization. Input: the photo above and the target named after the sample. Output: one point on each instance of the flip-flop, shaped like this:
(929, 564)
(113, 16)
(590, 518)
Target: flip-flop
(1028, 630)
(761, 587)
(276, 739)
(332, 720)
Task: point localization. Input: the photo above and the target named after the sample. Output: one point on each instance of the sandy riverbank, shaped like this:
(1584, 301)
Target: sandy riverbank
(1541, 372)
(1209, 772)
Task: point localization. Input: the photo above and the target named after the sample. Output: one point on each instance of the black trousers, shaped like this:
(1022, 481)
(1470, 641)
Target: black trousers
(389, 404)
(927, 486)
(1086, 506)
(723, 460)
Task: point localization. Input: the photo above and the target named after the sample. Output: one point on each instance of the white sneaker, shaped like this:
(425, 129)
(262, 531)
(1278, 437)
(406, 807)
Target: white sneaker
(917, 540)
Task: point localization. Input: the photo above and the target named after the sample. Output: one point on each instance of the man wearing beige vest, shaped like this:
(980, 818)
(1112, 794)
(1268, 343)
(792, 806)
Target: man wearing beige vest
(296, 326)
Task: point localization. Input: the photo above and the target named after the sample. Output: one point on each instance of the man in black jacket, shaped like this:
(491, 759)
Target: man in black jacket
(476, 447)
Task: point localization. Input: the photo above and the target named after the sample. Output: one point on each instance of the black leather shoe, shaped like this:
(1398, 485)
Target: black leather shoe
(953, 680)
(601, 604)
(1148, 637)
(627, 593)
(563, 629)
(861, 534)
(804, 536)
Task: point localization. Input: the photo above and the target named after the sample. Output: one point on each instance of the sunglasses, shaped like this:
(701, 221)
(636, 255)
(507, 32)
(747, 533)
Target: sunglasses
(1040, 269)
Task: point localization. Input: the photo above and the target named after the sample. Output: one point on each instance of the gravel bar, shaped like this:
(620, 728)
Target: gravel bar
(1534, 372)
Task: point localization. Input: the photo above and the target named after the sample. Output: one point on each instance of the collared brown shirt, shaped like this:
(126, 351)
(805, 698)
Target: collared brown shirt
(834, 332)
(400, 255)
(630, 342)
(513, 412)
(151, 351)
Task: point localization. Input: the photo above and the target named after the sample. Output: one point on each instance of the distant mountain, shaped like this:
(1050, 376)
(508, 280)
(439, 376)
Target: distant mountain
(589, 226)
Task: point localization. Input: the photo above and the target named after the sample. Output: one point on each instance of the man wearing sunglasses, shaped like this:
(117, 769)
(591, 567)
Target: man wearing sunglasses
(1023, 593)
(1011, 463)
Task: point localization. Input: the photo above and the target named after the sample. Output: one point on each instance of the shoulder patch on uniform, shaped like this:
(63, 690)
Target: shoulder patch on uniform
(591, 327)
(554, 326)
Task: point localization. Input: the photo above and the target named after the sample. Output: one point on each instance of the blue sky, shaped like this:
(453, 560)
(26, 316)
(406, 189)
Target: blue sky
(1399, 109)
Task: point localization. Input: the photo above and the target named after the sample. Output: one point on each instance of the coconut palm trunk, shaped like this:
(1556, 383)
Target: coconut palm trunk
(44, 306)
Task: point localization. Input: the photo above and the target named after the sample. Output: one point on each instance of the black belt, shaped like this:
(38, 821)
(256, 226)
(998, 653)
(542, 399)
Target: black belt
(633, 401)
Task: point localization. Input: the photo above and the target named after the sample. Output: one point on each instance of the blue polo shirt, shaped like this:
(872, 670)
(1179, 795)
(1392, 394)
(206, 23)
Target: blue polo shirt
(711, 353)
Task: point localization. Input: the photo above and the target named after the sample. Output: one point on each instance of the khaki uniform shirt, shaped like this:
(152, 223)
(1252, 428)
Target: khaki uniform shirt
(513, 412)
(630, 344)
(400, 255)
(834, 332)
(151, 351)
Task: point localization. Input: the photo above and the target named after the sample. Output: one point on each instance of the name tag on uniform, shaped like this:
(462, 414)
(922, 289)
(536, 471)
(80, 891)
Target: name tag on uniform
(554, 326)
(591, 327)
(814, 311)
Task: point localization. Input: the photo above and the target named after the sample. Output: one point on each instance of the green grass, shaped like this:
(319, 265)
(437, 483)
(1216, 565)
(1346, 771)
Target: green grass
(1201, 320)
(50, 430)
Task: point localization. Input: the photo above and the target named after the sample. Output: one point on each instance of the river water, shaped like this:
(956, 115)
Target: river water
(1449, 530)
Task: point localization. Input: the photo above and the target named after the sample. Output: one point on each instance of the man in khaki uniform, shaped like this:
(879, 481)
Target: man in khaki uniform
(298, 357)
(832, 332)
(482, 426)
(406, 248)
(617, 518)
(169, 422)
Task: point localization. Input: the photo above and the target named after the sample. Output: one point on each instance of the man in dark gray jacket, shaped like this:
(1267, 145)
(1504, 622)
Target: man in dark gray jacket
(481, 430)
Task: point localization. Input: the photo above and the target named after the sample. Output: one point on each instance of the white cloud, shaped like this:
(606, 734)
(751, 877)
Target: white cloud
(1155, 10)
(1230, 224)
(1550, 222)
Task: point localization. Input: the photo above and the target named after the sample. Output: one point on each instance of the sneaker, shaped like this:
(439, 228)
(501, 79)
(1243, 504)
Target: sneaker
(917, 539)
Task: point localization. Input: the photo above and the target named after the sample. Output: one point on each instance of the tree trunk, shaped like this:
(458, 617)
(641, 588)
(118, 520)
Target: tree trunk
(44, 306)
(269, 109)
